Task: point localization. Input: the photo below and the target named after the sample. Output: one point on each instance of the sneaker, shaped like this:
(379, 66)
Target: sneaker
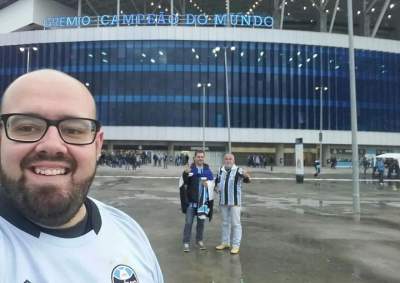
(186, 248)
(201, 245)
(235, 250)
(222, 247)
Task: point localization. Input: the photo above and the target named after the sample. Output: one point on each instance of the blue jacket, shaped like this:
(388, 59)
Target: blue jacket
(189, 191)
(193, 182)
(380, 166)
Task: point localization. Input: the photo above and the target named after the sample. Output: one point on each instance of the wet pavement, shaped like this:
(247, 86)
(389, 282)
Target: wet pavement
(291, 232)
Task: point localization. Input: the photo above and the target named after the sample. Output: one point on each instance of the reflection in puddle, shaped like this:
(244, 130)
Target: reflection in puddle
(229, 267)
(394, 186)
(287, 203)
(297, 203)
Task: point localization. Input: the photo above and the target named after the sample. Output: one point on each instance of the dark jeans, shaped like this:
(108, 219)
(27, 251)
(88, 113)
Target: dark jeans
(380, 177)
(187, 231)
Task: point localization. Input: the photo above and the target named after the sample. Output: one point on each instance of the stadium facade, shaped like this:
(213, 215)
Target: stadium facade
(145, 76)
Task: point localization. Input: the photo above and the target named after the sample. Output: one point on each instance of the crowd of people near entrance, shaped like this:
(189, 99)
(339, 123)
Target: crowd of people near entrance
(258, 161)
(133, 159)
(127, 159)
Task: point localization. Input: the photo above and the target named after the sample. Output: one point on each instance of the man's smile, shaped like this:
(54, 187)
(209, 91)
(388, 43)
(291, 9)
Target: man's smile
(50, 168)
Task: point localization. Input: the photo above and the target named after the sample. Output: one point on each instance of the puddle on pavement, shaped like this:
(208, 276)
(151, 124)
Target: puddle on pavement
(299, 205)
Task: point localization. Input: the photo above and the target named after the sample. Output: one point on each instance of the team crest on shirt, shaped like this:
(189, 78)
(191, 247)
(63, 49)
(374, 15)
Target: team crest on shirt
(123, 274)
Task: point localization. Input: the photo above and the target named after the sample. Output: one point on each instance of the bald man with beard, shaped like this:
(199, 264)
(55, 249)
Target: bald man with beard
(50, 230)
(229, 183)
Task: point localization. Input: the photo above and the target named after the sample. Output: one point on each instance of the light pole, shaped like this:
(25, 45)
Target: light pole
(353, 112)
(204, 85)
(228, 113)
(28, 57)
(321, 119)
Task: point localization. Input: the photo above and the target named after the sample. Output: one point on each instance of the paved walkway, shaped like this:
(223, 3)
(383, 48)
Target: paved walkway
(292, 233)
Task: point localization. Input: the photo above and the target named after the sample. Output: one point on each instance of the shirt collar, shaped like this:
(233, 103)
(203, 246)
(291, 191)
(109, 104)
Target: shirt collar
(14, 217)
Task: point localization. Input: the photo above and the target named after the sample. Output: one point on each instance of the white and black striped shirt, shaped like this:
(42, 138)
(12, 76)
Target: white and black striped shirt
(229, 184)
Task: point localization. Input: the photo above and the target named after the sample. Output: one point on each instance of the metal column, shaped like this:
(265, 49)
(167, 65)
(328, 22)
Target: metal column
(79, 8)
(118, 10)
(204, 117)
(28, 59)
(228, 112)
(353, 103)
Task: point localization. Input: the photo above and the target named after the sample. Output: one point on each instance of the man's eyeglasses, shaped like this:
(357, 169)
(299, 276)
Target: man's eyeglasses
(30, 128)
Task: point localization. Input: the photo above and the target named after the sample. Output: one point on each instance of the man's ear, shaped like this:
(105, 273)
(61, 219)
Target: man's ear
(98, 142)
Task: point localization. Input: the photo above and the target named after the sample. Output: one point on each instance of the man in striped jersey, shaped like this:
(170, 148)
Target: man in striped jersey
(229, 185)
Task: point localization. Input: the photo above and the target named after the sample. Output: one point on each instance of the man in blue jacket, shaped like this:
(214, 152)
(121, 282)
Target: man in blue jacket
(196, 198)
(381, 169)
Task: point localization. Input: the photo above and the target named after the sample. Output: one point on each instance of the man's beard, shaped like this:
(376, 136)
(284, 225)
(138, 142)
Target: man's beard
(46, 205)
(228, 167)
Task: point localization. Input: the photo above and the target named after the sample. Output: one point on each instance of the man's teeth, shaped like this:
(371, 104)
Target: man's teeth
(50, 172)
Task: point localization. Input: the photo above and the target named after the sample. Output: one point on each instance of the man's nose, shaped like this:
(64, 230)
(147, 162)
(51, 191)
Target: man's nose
(52, 143)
